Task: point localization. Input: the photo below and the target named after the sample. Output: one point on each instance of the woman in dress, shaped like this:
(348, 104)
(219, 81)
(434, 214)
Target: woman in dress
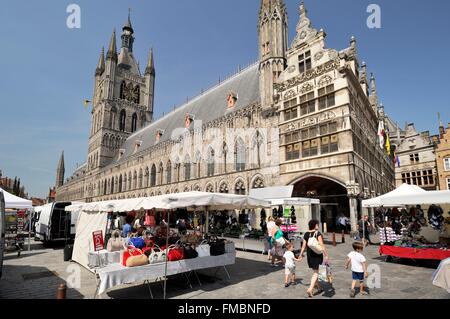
(314, 259)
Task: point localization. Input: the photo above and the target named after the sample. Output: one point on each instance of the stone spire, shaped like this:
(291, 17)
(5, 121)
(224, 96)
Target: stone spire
(363, 78)
(101, 64)
(112, 49)
(441, 126)
(150, 69)
(373, 84)
(127, 34)
(60, 171)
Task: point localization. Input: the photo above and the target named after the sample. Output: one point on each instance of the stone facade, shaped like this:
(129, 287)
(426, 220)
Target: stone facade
(304, 116)
(443, 158)
(417, 160)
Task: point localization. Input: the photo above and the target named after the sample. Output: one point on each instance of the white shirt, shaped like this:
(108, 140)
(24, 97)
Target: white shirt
(290, 259)
(270, 227)
(357, 261)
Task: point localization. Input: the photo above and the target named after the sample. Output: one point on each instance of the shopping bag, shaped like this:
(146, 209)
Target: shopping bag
(203, 249)
(136, 261)
(190, 252)
(323, 273)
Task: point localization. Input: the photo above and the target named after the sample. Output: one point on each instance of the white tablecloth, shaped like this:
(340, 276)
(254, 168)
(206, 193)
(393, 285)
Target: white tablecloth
(117, 274)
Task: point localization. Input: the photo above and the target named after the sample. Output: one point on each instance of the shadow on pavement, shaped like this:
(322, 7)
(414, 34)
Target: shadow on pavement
(29, 282)
(211, 279)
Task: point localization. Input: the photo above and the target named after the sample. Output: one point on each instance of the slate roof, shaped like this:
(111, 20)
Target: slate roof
(207, 107)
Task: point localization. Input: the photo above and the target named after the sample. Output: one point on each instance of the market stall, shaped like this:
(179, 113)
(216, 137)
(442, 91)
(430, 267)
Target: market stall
(15, 232)
(95, 218)
(418, 238)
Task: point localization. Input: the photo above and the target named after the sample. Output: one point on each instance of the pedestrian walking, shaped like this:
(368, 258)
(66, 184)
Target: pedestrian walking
(316, 252)
(289, 266)
(270, 230)
(359, 268)
(364, 228)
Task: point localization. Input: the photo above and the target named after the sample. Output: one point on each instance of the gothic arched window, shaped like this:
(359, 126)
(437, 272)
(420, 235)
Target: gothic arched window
(123, 88)
(123, 120)
(240, 155)
(187, 168)
(153, 176)
(169, 172)
(161, 173)
(140, 178)
(210, 160)
(137, 94)
(134, 123)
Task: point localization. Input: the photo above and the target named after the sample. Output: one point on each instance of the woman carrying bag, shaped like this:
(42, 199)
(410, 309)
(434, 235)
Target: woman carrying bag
(278, 241)
(316, 251)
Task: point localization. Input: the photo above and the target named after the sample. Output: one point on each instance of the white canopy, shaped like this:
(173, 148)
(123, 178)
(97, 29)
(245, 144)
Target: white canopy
(294, 201)
(409, 195)
(12, 201)
(190, 200)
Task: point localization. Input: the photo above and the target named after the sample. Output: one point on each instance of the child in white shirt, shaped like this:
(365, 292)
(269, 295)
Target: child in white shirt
(289, 265)
(359, 268)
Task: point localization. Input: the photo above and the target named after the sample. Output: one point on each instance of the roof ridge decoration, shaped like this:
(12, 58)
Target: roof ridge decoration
(305, 31)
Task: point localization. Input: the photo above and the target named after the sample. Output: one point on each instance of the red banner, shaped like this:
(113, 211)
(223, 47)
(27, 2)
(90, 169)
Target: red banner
(99, 244)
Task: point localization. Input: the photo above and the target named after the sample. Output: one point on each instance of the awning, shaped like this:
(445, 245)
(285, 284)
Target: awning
(409, 195)
(12, 201)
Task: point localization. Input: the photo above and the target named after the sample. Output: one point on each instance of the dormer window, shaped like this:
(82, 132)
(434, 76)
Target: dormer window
(304, 62)
(232, 99)
(159, 134)
(137, 145)
(121, 153)
(189, 118)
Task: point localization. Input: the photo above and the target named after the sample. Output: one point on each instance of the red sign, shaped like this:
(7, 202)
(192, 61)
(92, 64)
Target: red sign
(99, 244)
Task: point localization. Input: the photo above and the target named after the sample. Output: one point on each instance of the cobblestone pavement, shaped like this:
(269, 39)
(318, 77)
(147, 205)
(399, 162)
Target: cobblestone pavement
(38, 273)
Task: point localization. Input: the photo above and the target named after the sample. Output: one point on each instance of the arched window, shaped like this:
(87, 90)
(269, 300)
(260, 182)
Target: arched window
(140, 178)
(105, 184)
(153, 176)
(124, 189)
(187, 168)
(258, 183)
(239, 188)
(123, 120)
(136, 94)
(120, 184)
(112, 186)
(135, 180)
(147, 176)
(240, 155)
(223, 188)
(169, 172)
(161, 173)
(123, 88)
(134, 123)
(210, 161)
(130, 178)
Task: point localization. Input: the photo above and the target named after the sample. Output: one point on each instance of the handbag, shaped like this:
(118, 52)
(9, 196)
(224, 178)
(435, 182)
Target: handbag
(189, 252)
(131, 252)
(203, 249)
(217, 246)
(136, 261)
(281, 241)
(314, 244)
(157, 255)
(137, 242)
(175, 253)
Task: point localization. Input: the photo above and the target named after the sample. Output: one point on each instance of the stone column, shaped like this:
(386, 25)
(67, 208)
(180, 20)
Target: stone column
(353, 212)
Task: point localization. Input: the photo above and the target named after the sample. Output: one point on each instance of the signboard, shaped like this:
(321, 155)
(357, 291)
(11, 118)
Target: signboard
(98, 240)
(287, 213)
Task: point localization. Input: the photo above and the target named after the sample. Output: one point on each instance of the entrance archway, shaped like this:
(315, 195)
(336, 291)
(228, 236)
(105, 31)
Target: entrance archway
(333, 197)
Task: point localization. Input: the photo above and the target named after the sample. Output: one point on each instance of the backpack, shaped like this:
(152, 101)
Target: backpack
(314, 244)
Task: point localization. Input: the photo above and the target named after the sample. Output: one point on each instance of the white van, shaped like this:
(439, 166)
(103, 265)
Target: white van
(2, 230)
(53, 223)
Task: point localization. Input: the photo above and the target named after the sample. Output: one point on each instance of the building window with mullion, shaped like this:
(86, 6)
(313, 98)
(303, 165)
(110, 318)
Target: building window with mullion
(326, 97)
(307, 104)
(290, 110)
(304, 62)
(292, 152)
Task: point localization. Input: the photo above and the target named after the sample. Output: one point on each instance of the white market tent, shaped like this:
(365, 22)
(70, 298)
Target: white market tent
(408, 195)
(12, 201)
(93, 216)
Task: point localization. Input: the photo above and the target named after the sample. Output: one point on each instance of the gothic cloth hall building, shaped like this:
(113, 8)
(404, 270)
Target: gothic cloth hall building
(320, 102)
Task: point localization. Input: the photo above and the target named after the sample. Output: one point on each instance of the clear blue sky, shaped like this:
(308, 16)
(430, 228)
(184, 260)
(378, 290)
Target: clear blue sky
(47, 69)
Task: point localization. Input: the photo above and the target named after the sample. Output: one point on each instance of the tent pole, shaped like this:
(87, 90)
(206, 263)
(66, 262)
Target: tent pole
(167, 247)
(29, 228)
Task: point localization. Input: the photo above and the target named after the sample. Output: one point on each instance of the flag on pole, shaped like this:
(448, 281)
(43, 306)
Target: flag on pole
(381, 135)
(86, 103)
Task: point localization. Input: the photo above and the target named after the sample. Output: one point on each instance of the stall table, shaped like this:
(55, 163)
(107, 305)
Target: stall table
(116, 274)
(414, 253)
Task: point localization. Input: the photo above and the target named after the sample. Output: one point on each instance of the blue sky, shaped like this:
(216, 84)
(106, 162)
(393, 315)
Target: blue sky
(48, 69)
